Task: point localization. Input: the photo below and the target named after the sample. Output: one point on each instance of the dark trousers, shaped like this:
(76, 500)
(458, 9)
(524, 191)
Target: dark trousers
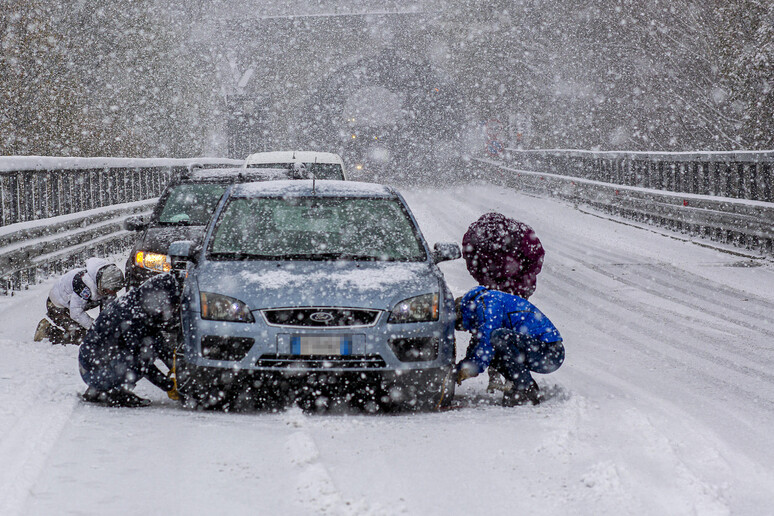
(117, 368)
(104, 374)
(65, 330)
(515, 355)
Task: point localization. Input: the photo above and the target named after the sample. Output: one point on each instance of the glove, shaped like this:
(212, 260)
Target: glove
(462, 375)
(465, 370)
(173, 394)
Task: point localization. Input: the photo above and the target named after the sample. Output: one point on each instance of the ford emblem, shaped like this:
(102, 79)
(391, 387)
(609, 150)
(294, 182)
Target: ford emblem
(322, 317)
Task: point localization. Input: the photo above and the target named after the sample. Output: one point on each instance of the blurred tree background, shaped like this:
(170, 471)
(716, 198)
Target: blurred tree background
(100, 79)
(121, 78)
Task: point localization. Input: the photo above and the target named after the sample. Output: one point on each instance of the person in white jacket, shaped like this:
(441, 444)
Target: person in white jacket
(70, 299)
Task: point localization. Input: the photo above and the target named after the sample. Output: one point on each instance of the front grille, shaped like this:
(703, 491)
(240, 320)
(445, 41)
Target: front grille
(226, 348)
(321, 362)
(323, 317)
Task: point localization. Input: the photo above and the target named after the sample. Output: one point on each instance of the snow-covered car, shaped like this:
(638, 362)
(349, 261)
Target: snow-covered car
(321, 165)
(182, 212)
(321, 290)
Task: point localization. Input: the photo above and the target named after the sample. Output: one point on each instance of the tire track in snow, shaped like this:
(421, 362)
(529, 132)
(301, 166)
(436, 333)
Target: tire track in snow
(734, 339)
(612, 481)
(25, 447)
(643, 335)
(670, 381)
(692, 456)
(706, 325)
(685, 288)
(316, 489)
(38, 385)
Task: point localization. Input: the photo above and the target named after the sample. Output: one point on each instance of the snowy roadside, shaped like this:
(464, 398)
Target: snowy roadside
(38, 386)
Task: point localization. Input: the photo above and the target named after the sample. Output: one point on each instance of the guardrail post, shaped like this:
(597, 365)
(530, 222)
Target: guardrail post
(724, 179)
(765, 178)
(704, 178)
(16, 193)
(749, 188)
(732, 183)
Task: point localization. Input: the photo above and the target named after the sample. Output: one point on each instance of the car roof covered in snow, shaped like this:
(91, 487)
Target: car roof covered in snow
(305, 187)
(292, 157)
(204, 175)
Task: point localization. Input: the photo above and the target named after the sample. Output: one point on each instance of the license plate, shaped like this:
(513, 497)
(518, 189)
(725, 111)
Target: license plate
(320, 345)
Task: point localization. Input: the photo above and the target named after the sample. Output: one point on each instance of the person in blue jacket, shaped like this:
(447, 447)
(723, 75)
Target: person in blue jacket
(511, 336)
(122, 345)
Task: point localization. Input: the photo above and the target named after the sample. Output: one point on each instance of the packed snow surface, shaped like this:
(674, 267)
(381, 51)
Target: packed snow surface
(664, 406)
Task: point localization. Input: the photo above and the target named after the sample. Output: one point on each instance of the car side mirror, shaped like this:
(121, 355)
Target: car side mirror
(180, 253)
(444, 251)
(135, 223)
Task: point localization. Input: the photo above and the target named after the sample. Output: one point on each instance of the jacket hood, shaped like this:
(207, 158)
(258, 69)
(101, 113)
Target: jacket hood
(159, 298)
(376, 285)
(93, 265)
(468, 307)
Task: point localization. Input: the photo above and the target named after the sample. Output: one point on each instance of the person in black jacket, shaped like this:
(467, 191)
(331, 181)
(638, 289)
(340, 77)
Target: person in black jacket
(124, 342)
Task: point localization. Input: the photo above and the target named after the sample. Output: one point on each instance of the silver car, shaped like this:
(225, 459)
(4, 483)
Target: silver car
(321, 292)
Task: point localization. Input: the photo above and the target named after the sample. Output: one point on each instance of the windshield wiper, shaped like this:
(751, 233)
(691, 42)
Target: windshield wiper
(181, 223)
(242, 256)
(335, 256)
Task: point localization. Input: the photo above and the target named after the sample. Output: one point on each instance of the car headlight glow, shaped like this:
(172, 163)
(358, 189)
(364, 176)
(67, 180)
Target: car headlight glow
(217, 307)
(422, 308)
(153, 261)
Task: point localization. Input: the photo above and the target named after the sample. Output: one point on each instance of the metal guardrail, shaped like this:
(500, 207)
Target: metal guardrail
(56, 212)
(735, 175)
(628, 189)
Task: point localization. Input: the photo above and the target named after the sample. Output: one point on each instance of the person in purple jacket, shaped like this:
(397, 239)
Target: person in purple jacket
(510, 336)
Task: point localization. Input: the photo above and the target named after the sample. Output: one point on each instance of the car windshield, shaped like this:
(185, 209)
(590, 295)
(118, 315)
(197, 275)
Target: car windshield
(320, 228)
(320, 170)
(191, 204)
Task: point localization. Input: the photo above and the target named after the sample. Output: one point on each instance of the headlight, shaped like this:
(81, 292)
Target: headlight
(153, 261)
(416, 309)
(217, 307)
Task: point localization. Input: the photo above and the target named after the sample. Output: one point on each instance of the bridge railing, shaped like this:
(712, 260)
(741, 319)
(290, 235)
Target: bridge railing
(724, 196)
(56, 212)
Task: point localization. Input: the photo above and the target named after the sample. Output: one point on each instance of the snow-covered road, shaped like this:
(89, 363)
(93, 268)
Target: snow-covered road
(665, 404)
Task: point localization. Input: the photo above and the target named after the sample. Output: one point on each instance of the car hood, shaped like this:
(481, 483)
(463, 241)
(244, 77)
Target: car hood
(157, 239)
(264, 284)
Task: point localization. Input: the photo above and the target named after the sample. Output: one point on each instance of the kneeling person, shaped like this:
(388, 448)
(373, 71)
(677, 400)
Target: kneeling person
(511, 336)
(73, 295)
(124, 342)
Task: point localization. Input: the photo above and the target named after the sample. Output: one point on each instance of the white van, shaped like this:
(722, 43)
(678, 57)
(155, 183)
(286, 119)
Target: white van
(324, 165)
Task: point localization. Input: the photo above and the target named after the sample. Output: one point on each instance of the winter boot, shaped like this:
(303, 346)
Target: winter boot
(513, 396)
(115, 398)
(41, 332)
(497, 382)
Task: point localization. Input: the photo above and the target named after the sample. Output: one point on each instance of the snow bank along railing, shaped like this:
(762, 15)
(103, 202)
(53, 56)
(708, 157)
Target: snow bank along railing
(725, 196)
(56, 212)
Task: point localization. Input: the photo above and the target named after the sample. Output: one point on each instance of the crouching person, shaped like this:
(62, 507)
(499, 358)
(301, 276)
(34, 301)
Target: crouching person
(73, 295)
(510, 336)
(124, 342)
